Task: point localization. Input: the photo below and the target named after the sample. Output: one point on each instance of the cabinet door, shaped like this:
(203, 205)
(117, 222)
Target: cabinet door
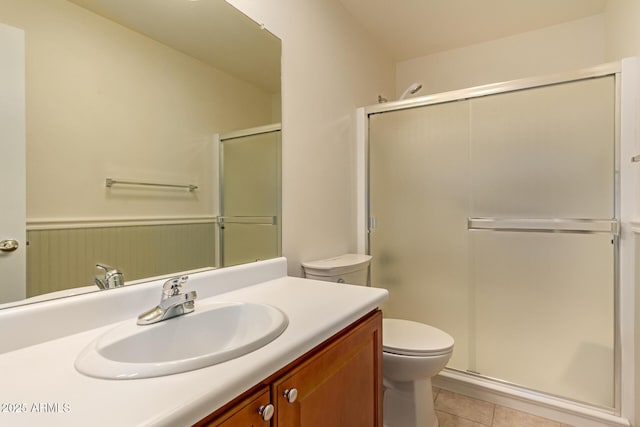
(341, 386)
(244, 414)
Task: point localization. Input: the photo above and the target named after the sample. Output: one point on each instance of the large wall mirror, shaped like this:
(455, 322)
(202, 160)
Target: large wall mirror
(171, 92)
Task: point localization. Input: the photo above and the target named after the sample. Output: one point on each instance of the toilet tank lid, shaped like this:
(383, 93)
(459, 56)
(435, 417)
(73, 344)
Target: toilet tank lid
(340, 264)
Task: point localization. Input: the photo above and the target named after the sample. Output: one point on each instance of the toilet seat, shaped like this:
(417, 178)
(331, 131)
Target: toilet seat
(409, 338)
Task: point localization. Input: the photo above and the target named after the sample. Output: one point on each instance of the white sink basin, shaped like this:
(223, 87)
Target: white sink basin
(212, 334)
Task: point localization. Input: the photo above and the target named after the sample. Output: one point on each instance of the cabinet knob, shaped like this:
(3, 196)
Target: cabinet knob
(266, 411)
(291, 394)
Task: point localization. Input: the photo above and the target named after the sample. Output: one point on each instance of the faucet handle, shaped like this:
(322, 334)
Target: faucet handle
(113, 277)
(173, 286)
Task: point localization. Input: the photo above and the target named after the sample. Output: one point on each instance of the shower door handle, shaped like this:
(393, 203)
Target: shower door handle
(372, 222)
(546, 225)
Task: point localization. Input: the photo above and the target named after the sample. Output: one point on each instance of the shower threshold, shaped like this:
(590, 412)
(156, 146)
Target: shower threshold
(545, 405)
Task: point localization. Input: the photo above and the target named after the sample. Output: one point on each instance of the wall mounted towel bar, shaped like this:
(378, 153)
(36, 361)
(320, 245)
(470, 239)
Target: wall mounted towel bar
(110, 182)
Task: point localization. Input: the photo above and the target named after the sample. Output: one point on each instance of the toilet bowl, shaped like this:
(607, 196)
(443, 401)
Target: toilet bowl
(412, 352)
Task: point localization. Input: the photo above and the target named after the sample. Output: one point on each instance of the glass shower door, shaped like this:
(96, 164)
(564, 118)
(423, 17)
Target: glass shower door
(419, 196)
(494, 219)
(250, 197)
(543, 238)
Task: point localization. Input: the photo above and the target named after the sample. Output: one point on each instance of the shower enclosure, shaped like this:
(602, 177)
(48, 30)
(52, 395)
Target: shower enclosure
(250, 194)
(494, 215)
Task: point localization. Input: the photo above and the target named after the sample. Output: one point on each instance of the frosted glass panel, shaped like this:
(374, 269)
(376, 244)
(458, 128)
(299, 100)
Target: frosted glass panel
(419, 192)
(545, 152)
(251, 175)
(250, 193)
(544, 311)
(243, 243)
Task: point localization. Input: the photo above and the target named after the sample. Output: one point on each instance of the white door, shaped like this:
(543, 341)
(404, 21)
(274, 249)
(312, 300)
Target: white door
(12, 165)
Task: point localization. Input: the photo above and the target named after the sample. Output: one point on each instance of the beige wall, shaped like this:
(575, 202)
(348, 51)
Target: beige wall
(329, 67)
(553, 49)
(622, 32)
(104, 101)
(610, 36)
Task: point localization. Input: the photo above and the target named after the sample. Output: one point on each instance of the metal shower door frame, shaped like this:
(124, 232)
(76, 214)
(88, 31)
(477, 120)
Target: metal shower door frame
(366, 222)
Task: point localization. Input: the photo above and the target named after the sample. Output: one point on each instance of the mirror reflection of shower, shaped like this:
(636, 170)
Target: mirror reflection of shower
(411, 90)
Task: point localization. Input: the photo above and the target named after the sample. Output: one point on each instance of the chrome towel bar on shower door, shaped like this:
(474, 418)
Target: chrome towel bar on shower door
(546, 225)
(256, 220)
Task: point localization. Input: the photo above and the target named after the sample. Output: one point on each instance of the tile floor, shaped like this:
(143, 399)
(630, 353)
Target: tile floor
(456, 410)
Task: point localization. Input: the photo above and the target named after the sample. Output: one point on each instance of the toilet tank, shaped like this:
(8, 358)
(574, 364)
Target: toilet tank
(347, 268)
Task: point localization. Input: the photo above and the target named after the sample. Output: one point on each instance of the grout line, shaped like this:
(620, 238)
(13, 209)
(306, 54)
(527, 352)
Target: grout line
(464, 418)
(493, 415)
(436, 394)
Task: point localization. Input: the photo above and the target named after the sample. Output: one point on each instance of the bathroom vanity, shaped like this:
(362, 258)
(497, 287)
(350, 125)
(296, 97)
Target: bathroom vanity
(330, 353)
(339, 383)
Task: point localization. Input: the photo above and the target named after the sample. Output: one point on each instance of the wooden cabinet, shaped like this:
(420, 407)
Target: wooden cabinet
(248, 412)
(337, 384)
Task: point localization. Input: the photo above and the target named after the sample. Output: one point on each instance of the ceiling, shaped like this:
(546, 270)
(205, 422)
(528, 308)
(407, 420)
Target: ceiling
(404, 28)
(414, 28)
(212, 31)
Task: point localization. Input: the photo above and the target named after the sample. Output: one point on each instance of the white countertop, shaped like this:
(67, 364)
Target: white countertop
(42, 376)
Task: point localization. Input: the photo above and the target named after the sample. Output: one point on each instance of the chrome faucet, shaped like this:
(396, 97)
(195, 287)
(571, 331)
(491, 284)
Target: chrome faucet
(173, 302)
(112, 278)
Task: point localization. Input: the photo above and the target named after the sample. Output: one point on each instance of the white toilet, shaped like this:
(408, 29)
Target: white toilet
(412, 352)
